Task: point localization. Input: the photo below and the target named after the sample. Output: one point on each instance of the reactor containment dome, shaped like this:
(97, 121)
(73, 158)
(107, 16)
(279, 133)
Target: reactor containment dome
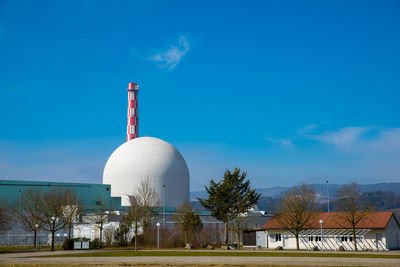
(152, 159)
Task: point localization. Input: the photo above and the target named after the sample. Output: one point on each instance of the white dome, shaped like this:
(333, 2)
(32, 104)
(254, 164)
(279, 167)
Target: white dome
(148, 158)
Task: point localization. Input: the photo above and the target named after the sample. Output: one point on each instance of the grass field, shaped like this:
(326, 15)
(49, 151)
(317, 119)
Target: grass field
(14, 249)
(226, 254)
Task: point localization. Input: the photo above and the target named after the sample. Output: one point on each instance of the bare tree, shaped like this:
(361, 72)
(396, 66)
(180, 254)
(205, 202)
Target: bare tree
(100, 214)
(53, 206)
(135, 212)
(149, 200)
(5, 216)
(188, 221)
(29, 212)
(121, 233)
(142, 209)
(72, 209)
(109, 234)
(241, 222)
(351, 209)
(297, 209)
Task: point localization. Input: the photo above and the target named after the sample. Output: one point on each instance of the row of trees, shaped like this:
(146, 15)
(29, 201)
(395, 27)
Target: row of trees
(50, 211)
(54, 210)
(298, 209)
(228, 200)
(143, 210)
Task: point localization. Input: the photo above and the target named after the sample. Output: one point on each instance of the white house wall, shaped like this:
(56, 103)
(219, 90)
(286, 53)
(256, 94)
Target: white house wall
(330, 242)
(91, 231)
(392, 235)
(260, 239)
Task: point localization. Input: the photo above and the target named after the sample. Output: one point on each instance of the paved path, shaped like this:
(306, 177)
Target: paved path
(29, 258)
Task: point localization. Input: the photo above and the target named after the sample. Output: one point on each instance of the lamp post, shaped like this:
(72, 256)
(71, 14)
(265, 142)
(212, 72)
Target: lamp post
(53, 221)
(164, 203)
(19, 222)
(158, 235)
(327, 193)
(36, 229)
(321, 222)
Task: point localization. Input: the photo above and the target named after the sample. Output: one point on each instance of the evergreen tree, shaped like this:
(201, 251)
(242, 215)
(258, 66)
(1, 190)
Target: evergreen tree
(229, 197)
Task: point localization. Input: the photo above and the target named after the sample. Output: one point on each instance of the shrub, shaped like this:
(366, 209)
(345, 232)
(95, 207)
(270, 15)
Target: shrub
(341, 248)
(68, 244)
(279, 248)
(315, 248)
(95, 244)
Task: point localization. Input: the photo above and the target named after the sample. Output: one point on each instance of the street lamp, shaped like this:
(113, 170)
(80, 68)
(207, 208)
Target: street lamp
(321, 222)
(158, 235)
(164, 202)
(327, 193)
(36, 229)
(53, 220)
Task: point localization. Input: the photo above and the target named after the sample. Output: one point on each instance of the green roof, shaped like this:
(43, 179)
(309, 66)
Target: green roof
(89, 194)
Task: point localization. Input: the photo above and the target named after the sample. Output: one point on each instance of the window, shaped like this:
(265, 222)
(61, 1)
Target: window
(344, 238)
(318, 238)
(278, 237)
(350, 238)
(310, 238)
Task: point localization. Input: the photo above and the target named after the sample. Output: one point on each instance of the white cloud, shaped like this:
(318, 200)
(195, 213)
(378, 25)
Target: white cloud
(388, 140)
(171, 57)
(285, 142)
(306, 129)
(361, 139)
(343, 138)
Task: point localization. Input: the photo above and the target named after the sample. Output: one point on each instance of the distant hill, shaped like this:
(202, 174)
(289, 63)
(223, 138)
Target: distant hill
(320, 189)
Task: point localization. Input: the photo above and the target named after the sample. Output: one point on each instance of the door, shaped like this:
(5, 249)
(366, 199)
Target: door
(249, 238)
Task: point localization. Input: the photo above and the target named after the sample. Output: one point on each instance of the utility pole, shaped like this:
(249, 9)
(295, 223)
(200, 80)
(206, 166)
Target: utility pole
(164, 204)
(327, 193)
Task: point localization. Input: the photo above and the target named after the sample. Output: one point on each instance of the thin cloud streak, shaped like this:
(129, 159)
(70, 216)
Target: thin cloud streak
(342, 138)
(285, 142)
(172, 56)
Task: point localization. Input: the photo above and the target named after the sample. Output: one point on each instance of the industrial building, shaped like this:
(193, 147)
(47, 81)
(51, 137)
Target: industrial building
(146, 158)
(89, 194)
(136, 160)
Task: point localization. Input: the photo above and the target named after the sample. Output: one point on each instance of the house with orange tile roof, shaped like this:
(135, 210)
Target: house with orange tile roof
(377, 231)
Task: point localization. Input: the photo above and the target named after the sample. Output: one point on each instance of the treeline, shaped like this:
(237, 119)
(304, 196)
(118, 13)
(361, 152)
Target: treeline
(34, 210)
(377, 200)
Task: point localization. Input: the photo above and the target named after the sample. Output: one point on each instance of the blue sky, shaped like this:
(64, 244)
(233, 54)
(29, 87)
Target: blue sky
(291, 91)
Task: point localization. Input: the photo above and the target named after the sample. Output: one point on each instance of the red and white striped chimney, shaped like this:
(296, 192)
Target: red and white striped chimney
(133, 118)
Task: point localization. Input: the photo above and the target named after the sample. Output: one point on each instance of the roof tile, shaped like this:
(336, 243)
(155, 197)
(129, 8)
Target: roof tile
(374, 220)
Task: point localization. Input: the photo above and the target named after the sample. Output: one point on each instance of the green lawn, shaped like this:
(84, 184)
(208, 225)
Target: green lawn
(14, 249)
(225, 253)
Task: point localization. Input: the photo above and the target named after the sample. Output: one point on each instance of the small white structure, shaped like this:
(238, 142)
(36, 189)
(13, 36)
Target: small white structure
(152, 159)
(377, 231)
